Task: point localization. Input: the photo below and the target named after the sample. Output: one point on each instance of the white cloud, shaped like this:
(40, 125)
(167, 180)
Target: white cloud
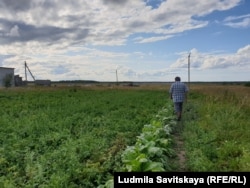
(154, 39)
(61, 39)
(199, 60)
(90, 67)
(242, 21)
(103, 22)
(14, 32)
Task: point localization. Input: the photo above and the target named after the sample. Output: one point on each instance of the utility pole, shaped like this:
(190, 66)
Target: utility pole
(26, 67)
(189, 70)
(25, 71)
(116, 77)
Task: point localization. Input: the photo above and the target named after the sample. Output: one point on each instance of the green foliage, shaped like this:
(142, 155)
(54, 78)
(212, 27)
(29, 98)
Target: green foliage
(151, 148)
(108, 184)
(217, 132)
(63, 137)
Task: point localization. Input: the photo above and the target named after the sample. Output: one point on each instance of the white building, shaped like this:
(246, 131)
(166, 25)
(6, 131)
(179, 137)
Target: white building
(6, 76)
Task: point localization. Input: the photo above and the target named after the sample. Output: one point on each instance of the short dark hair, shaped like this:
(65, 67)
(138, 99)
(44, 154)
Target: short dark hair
(177, 78)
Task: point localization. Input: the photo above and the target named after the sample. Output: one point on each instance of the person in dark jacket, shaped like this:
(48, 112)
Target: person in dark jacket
(178, 93)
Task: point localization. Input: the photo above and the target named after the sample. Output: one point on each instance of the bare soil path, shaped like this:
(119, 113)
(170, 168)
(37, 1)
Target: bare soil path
(179, 147)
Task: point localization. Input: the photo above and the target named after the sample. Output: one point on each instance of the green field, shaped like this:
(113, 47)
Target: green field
(69, 137)
(216, 132)
(75, 136)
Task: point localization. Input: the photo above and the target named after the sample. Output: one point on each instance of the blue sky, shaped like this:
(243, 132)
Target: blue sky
(141, 40)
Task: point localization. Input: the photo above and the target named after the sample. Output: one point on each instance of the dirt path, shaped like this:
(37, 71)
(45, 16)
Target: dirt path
(179, 148)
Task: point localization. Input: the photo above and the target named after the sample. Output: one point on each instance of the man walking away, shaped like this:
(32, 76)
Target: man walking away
(178, 93)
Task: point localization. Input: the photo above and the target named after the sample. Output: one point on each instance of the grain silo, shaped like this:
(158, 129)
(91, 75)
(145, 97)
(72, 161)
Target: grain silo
(6, 77)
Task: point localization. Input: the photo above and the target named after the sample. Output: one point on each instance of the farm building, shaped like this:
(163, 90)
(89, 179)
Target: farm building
(6, 77)
(18, 80)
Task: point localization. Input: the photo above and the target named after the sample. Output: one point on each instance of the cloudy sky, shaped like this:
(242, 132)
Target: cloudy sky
(140, 40)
